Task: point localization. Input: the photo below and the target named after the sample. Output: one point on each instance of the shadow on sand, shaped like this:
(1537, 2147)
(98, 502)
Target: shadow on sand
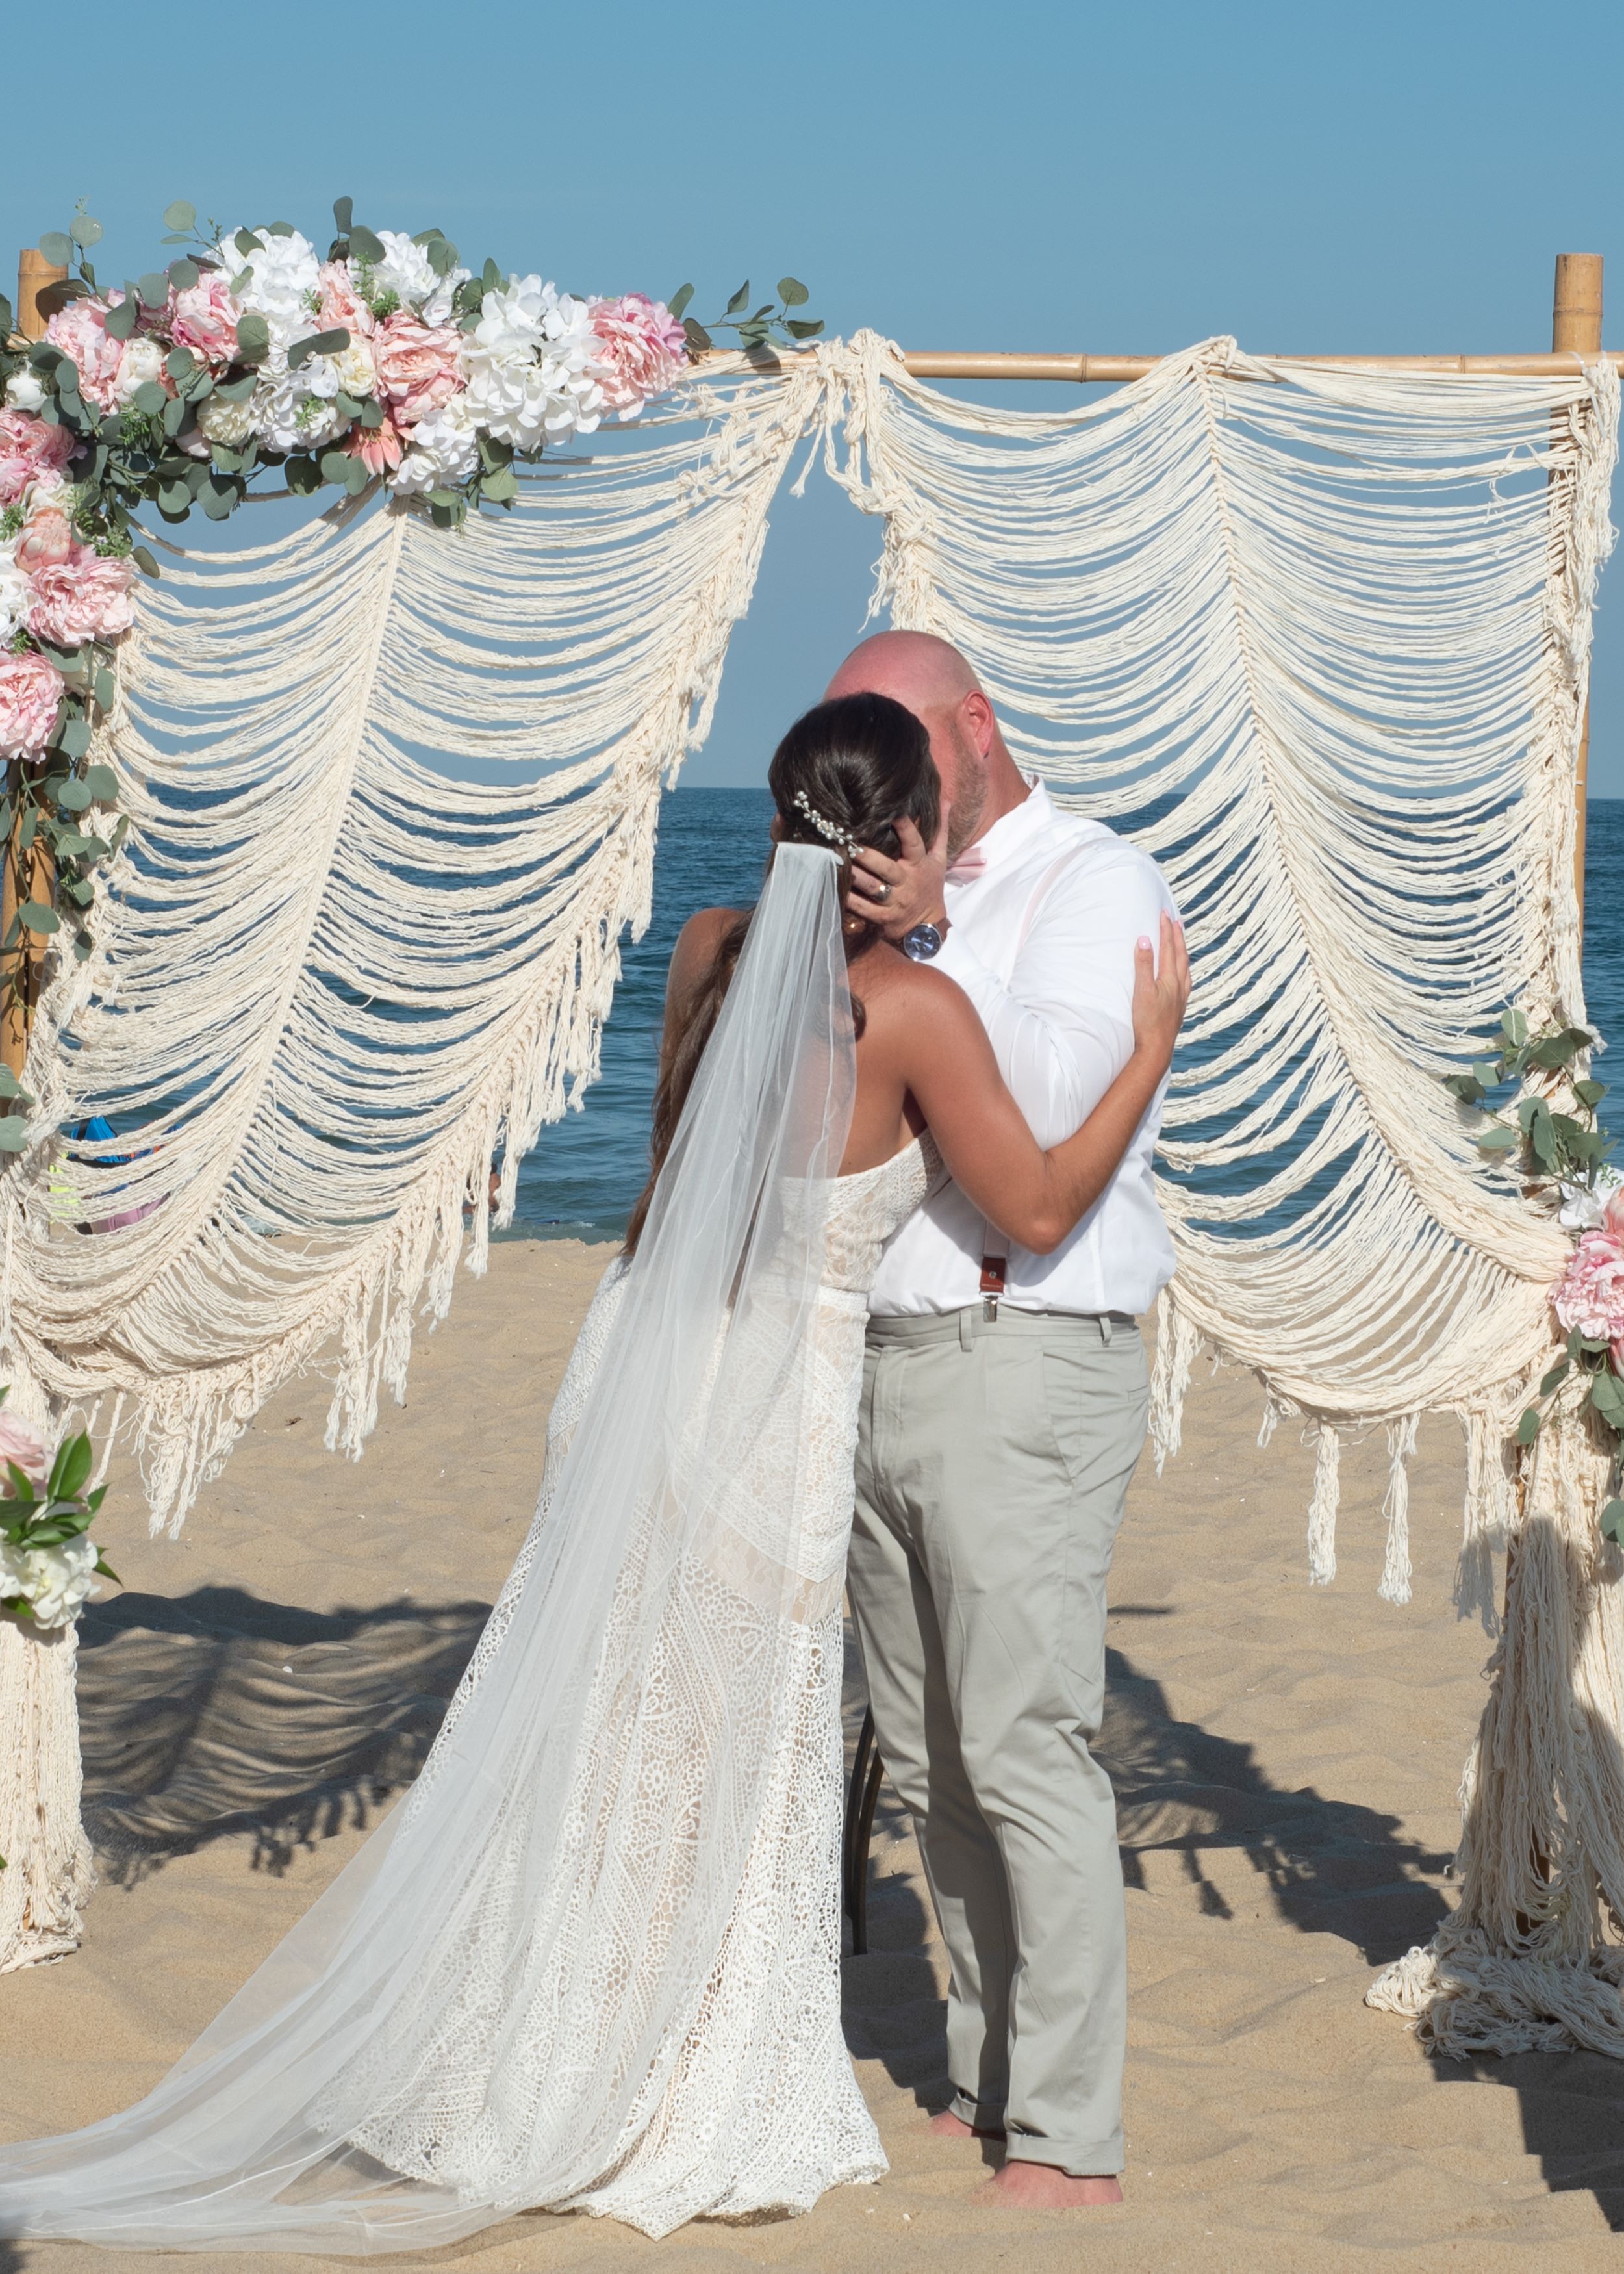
(217, 1713)
(1330, 1866)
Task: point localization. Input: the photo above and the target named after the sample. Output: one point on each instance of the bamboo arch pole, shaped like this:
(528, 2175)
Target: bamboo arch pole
(1576, 330)
(25, 873)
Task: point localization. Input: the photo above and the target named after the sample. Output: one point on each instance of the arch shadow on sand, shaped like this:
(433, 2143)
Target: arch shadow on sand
(217, 1713)
(1328, 1866)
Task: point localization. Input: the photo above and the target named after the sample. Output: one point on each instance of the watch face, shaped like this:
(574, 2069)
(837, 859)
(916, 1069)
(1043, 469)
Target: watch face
(922, 943)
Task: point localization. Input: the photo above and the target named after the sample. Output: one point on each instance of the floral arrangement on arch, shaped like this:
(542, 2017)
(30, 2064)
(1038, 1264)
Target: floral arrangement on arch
(387, 361)
(1561, 1156)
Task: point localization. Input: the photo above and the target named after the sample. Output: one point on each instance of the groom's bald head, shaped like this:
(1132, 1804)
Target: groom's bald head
(932, 680)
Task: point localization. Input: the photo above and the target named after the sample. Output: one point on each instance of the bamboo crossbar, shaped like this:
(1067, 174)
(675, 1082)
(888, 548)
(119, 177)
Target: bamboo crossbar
(1089, 370)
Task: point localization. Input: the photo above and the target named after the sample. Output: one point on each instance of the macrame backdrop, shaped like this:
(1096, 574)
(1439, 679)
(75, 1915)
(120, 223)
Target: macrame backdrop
(1318, 638)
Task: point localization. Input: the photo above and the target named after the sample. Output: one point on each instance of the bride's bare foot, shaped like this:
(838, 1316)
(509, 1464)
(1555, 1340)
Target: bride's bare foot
(949, 2126)
(1021, 2185)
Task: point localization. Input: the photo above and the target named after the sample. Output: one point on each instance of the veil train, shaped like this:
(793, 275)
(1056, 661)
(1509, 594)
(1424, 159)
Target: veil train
(481, 2014)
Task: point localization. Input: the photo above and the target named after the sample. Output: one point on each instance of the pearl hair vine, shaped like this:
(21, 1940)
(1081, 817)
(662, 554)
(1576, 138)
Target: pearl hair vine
(832, 830)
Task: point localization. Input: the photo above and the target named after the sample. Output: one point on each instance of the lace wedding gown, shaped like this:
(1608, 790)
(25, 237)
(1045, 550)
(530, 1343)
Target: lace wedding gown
(592, 1960)
(762, 2111)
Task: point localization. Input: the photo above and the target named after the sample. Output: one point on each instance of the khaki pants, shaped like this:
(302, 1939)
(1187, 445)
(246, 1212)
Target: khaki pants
(992, 1466)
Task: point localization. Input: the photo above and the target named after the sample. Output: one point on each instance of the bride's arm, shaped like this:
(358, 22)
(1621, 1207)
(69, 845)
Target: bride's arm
(1036, 1196)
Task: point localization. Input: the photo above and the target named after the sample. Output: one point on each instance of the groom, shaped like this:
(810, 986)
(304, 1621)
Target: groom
(1003, 1410)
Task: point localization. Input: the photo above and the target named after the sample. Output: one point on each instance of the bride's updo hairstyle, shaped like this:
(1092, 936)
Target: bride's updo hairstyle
(856, 766)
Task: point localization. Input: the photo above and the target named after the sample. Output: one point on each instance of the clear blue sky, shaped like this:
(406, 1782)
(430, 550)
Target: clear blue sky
(1034, 173)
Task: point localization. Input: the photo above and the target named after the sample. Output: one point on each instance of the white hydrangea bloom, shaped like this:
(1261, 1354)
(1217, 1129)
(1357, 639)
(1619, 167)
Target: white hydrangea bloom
(286, 413)
(281, 270)
(15, 590)
(54, 1582)
(142, 360)
(528, 365)
(437, 308)
(406, 272)
(230, 423)
(444, 451)
(1583, 1206)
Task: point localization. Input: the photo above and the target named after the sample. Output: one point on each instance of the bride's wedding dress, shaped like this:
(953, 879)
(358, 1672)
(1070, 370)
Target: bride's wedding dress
(592, 1960)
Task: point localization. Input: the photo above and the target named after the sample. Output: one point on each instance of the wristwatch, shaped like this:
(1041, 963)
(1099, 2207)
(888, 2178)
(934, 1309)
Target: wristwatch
(924, 942)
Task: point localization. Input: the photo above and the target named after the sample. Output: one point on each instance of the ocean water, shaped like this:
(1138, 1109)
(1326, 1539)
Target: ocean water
(583, 1175)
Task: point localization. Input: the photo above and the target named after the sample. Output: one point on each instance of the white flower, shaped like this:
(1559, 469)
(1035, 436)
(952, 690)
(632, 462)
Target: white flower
(405, 271)
(23, 391)
(356, 373)
(528, 365)
(54, 1582)
(141, 360)
(222, 421)
(437, 308)
(15, 590)
(281, 270)
(1584, 1207)
(287, 414)
(444, 450)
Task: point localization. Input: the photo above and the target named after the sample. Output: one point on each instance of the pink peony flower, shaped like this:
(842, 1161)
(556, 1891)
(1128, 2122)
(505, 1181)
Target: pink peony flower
(47, 537)
(80, 331)
(29, 451)
(204, 317)
(30, 695)
(378, 448)
(1589, 1294)
(417, 365)
(83, 598)
(26, 1448)
(640, 350)
(342, 303)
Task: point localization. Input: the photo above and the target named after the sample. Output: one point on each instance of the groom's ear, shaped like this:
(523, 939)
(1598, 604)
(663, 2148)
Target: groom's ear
(980, 717)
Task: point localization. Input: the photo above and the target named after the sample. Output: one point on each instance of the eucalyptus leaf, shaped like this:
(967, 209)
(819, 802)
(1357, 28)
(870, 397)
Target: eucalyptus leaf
(793, 292)
(328, 342)
(1607, 1397)
(1528, 1427)
(184, 274)
(696, 336)
(13, 1134)
(303, 475)
(343, 214)
(120, 322)
(84, 231)
(35, 916)
(799, 329)
(1514, 1026)
(336, 466)
(680, 299)
(103, 784)
(181, 215)
(500, 486)
(10, 1087)
(150, 399)
(218, 498)
(741, 299)
(58, 247)
(175, 414)
(442, 256)
(365, 246)
(236, 390)
(1497, 1141)
(145, 562)
(1589, 1093)
(174, 500)
(1612, 1520)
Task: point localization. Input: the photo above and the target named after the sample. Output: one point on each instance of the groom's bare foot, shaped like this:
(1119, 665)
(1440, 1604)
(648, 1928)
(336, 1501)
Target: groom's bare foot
(1021, 2185)
(949, 2126)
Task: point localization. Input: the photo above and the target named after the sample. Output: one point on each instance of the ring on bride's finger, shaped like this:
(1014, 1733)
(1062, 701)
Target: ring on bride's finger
(881, 893)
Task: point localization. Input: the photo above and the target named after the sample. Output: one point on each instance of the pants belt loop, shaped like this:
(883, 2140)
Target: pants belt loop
(1105, 1329)
(966, 1338)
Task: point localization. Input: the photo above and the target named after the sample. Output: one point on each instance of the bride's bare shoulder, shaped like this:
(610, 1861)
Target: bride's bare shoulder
(696, 944)
(902, 993)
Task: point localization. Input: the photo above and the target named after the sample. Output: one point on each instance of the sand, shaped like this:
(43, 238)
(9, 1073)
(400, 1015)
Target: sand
(1285, 1758)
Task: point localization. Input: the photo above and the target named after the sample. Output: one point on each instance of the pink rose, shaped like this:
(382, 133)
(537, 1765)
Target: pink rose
(204, 317)
(84, 598)
(417, 365)
(30, 449)
(25, 1447)
(640, 350)
(378, 448)
(47, 538)
(340, 303)
(30, 695)
(1589, 1294)
(80, 331)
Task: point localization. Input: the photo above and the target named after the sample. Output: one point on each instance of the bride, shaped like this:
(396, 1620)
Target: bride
(591, 1961)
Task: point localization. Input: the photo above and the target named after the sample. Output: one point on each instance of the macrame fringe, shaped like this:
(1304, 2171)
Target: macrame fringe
(49, 1875)
(1396, 1571)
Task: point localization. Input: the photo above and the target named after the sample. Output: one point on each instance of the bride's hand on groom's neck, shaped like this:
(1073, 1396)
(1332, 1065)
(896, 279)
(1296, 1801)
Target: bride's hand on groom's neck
(916, 879)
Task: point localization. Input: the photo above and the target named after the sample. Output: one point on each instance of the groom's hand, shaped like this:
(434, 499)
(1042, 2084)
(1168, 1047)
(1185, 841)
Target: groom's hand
(908, 891)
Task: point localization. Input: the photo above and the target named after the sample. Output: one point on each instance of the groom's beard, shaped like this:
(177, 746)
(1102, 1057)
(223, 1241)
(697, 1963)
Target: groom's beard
(970, 799)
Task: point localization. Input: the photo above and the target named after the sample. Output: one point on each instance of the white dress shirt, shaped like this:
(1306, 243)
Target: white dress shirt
(1042, 940)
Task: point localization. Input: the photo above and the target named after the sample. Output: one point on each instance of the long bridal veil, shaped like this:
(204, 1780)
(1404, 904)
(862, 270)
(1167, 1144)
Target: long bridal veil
(482, 2011)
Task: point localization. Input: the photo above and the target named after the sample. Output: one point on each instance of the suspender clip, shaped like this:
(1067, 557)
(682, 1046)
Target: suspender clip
(992, 1285)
